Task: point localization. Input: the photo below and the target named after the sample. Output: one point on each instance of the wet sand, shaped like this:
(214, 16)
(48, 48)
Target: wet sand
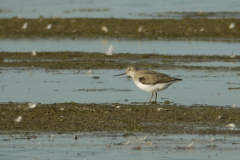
(75, 117)
(163, 119)
(121, 28)
(122, 123)
(86, 60)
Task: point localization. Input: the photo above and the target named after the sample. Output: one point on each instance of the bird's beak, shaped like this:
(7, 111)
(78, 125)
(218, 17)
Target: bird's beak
(119, 74)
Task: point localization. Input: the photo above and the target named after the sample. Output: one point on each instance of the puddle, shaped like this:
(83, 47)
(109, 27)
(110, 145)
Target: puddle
(109, 9)
(59, 86)
(102, 145)
(173, 47)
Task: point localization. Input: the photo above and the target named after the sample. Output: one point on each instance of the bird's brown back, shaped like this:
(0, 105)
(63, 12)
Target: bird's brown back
(151, 77)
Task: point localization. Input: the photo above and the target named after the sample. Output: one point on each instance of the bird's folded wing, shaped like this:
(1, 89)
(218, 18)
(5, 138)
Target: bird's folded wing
(152, 78)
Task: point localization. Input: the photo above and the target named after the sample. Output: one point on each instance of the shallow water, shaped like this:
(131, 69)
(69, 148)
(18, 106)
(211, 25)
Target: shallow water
(55, 86)
(173, 47)
(117, 9)
(211, 64)
(102, 145)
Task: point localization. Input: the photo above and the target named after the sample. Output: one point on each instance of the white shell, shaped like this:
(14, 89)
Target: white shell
(49, 26)
(104, 28)
(32, 105)
(231, 125)
(25, 26)
(110, 50)
(34, 53)
(18, 119)
(232, 25)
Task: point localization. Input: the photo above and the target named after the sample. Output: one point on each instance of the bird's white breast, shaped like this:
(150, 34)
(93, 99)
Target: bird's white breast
(152, 88)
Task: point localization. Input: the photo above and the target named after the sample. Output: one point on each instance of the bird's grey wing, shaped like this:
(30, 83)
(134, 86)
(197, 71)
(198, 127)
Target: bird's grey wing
(152, 78)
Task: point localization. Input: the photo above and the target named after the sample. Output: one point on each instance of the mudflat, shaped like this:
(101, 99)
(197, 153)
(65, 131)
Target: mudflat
(121, 28)
(163, 119)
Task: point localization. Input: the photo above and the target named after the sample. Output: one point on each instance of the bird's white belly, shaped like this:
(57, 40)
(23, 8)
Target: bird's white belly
(153, 88)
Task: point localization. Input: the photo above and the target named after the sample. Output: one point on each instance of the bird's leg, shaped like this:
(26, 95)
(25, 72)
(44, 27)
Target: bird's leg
(155, 96)
(151, 97)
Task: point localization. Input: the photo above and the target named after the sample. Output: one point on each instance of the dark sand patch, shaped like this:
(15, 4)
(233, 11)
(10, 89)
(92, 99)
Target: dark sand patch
(121, 28)
(86, 60)
(73, 117)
